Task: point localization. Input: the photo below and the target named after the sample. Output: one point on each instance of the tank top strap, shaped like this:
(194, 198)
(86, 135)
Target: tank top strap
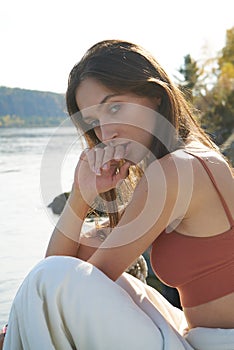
(211, 176)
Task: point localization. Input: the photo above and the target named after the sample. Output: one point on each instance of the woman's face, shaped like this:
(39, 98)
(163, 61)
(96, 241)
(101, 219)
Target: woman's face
(118, 119)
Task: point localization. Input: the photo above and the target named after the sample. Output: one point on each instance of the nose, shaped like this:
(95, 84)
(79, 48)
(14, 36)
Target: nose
(108, 132)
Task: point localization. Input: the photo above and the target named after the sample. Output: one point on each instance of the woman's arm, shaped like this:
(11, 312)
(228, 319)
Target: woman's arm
(87, 185)
(151, 210)
(162, 196)
(91, 241)
(66, 235)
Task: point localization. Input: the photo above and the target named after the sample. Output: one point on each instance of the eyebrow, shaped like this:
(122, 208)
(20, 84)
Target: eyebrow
(104, 100)
(107, 97)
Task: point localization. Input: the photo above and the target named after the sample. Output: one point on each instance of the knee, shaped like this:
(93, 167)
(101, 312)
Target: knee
(57, 267)
(56, 263)
(54, 272)
(64, 276)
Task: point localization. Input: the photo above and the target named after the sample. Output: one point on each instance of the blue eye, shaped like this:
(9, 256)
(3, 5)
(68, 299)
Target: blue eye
(115, 108)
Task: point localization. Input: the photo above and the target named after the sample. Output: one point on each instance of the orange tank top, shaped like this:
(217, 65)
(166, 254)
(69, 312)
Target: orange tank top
(201, 268)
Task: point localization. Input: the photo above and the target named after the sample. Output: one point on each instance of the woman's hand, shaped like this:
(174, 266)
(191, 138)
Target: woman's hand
(100, 169)
(91, 178)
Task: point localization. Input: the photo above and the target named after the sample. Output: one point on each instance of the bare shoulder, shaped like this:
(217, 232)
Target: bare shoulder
(199, 160)
(211, 164)
(176, 166)
(211, 172)
(173, 182)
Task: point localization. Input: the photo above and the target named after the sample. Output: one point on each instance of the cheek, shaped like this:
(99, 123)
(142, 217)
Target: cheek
(147, 139)
(141, 136)
(145, 122)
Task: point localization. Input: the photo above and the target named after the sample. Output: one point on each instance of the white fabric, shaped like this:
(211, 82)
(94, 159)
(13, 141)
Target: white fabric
(211, 338)
(65, 303)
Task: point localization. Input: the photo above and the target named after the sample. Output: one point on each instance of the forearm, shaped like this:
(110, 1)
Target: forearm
(65, 237)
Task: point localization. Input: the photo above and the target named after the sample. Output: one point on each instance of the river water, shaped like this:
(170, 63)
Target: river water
(36, 164)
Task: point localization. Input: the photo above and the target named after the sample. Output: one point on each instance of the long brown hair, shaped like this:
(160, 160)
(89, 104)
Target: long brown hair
(126, 67)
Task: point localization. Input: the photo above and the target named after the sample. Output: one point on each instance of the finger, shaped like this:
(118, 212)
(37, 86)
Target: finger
(119, 152)
(107, 157)
(90, 156)
(99, 153)
(83, 155)
(122, 173)
(113, 167)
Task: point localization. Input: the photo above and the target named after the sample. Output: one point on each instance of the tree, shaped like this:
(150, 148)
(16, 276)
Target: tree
(216, 101)
(210, 86)
(190, 73)
(224, 88)
(228, 50)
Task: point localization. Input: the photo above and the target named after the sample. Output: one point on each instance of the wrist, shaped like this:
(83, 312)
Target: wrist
(72, 217)
(83, 196)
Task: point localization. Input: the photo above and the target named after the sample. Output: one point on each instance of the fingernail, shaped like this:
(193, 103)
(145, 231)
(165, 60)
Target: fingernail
(98, 172)
(105, 166)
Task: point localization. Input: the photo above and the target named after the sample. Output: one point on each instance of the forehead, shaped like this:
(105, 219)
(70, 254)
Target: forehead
(90, 93)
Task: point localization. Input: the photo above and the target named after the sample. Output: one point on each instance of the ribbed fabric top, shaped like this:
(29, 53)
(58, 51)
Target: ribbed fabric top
(201, 268)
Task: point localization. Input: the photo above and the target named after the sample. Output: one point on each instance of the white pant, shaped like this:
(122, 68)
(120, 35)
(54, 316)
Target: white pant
(65, 303)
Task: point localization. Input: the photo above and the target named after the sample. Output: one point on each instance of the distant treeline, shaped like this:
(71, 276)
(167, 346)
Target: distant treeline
(21, 107)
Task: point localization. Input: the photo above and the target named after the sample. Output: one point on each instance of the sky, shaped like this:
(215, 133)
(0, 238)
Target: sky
(41, 40)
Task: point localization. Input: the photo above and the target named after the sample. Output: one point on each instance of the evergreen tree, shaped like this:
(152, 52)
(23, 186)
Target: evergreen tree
(190, 73)
(223, 91)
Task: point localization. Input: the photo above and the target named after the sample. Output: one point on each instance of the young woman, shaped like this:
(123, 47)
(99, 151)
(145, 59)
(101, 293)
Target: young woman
(140, 132)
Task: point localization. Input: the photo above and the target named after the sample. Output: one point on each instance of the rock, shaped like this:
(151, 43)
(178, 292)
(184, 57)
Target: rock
(58, 203)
